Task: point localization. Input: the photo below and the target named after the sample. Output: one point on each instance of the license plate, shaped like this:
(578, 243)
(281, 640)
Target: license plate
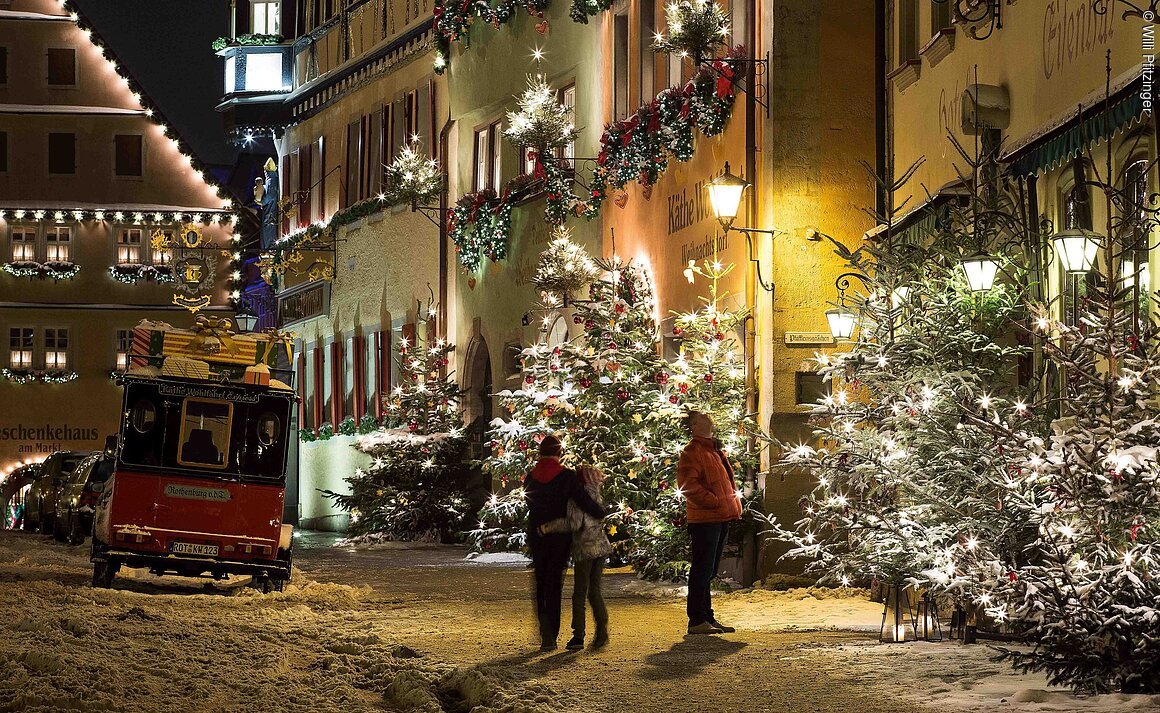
(187, 548)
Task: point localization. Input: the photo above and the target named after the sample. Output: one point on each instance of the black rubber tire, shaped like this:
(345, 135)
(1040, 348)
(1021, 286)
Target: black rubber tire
(103, 573)
(76, 534)
(60, 534)
(47, 524)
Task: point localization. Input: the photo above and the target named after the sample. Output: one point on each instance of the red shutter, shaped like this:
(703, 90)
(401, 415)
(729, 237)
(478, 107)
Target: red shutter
(301, 376)
(319, 392)
(336, 390)
(287, 188)
(358, 343)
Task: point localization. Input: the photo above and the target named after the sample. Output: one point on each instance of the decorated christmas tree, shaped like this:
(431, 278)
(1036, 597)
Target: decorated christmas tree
(617, 404)
(1085, 589)
(416, 485)
(923, 412)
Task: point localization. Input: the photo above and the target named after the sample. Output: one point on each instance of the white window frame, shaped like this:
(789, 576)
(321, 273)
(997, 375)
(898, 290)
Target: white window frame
(122, 345)
(56, 354)
(28, 246)
(125, 249)
(20, 357)
(56, 249)
(270, 14)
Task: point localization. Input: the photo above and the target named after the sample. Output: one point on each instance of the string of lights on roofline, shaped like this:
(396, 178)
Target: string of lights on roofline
(136, 217)
(152, 111)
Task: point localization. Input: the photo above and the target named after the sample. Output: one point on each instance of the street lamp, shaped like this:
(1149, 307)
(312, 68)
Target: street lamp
(246, 321)
(980, 269)
(725, 193)
(842, 321)
(1076, 249)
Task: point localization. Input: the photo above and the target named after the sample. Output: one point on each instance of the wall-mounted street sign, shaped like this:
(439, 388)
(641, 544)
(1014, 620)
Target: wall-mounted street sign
(806, 338)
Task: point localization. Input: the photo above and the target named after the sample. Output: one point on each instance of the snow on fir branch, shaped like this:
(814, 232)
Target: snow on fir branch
(540, 123)
(413, 177)
(564, 266)
(695, 29)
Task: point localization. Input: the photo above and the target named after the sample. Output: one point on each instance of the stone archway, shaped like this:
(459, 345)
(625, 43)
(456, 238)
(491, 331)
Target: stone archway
(478, 409)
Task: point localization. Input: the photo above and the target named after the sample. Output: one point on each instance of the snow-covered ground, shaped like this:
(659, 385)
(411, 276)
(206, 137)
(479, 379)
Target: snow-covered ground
(171, 645)
(951, 676)
(433, 634)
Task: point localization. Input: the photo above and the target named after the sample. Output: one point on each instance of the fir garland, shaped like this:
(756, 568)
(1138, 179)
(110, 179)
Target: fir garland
(131, 273)
(56, 269)
(28, 376)
(637, 148)
(583, 9)
(479, 225)
(453, 19)
(253, 40)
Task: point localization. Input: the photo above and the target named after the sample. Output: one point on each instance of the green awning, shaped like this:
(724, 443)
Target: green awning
(1100, 122)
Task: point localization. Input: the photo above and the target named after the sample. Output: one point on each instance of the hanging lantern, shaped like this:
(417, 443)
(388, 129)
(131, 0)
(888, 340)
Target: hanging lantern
(980, 269)
(725, 193)
(1076, 249)
(842, 321)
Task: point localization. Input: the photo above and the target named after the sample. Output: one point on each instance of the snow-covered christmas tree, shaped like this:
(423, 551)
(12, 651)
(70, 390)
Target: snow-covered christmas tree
(617, 403)
(416, 486)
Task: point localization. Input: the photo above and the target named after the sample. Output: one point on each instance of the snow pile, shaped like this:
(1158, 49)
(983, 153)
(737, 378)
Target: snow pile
(951, 676)
(168, 644)
(498, 558)
(656, 590)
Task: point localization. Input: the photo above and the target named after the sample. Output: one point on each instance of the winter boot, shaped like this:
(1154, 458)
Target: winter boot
(575, 643)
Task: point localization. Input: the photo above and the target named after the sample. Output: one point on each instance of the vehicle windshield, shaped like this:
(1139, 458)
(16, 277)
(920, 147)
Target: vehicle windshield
(69, 463)
(209, 430)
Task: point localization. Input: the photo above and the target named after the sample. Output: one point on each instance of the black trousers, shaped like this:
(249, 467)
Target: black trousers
(588, 585)
(550, 559)
(708, 544)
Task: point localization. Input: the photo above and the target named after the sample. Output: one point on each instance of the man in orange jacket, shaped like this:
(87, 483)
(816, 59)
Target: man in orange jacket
(705, 477)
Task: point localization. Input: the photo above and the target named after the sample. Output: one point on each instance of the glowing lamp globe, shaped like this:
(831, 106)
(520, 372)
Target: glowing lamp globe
(1076, 249)
(842, 321)
(980, 270)
(725, 193)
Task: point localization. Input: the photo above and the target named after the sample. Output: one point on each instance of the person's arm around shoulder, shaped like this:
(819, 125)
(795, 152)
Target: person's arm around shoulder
(559, 525)
(691, 481)
(583, 500)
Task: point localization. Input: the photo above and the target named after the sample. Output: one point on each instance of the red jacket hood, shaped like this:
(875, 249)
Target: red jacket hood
(546, 470)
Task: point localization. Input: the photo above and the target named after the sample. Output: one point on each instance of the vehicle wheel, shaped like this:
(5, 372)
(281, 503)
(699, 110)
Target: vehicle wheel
(47, 524)
(62, 533)
(76, 535)
(278, 585)
(103, 573)
(262, 583)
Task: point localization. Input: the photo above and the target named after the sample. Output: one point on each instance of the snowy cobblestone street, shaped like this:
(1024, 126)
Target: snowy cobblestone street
(417, 628)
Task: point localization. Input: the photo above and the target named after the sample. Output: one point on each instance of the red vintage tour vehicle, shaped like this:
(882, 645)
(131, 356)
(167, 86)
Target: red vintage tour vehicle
(199, 479)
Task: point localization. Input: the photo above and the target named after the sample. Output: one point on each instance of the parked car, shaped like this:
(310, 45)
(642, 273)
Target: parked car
(40, 505)
(74, 506)
(13, 491)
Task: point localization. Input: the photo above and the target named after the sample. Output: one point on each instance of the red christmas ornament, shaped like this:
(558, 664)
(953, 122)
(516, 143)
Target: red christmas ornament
(412, 426)
(589, 324)
(538, 437)
(708, 378)
(684, 388)
(662, 377)
(522, 445)
(585, 383)
(577, 319)
(677, 331)
(718, 336)
(529, 379)
(622, 395)
(673, 399)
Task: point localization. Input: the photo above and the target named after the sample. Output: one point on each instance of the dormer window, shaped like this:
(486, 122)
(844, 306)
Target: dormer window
(265, 17)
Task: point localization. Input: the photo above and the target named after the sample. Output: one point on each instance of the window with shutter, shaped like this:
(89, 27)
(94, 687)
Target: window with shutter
(62, 67)
(62, 154)
(353, 139)
(129, 155)
(374, 160)
(425, 129)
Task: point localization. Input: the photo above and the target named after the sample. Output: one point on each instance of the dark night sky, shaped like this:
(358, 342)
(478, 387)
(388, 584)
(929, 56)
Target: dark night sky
(166, 45)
